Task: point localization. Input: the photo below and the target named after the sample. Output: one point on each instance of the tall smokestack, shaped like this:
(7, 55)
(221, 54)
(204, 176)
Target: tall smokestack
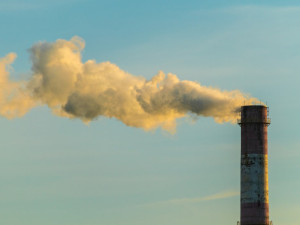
(254, 124)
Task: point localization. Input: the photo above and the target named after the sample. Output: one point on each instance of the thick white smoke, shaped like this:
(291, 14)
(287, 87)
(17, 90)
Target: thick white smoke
(87, 90)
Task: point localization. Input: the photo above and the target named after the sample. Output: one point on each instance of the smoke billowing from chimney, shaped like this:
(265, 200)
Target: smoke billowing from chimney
(87, 90)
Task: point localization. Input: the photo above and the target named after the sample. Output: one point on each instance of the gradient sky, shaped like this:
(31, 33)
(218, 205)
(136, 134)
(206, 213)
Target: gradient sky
(58, 171)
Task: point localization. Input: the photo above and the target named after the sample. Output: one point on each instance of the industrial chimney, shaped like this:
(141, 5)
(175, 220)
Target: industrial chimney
(254, 196)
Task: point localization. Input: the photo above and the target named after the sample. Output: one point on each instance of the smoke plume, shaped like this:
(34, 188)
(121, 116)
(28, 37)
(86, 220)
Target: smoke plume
(15, 99)
(88, 90)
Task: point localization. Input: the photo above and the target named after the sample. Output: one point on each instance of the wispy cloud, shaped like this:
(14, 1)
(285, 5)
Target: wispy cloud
(216, 196)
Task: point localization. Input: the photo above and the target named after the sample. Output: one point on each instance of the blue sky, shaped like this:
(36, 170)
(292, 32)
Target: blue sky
(60, 171)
